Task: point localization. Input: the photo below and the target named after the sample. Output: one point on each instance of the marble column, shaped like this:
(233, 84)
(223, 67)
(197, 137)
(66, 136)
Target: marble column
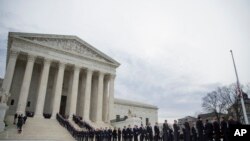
(87, 93)
(21, 106)
(74, 92)
(42, 88)
(105, 100)
(111, 98)
(58, 90)
(9, 71)
(99, 98)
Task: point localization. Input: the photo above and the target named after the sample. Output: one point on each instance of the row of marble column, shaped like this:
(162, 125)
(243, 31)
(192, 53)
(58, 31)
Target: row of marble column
(104, 97)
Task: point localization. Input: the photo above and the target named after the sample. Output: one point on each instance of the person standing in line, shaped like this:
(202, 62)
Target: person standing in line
(114, 134)
(150, 132)
(176, 131)
(157, 131)
(200, 128)
(208, 131)
(142, 135)
(110, 133)
(216, 130)
(20, 123)
(224, 129)
(194, 133)
(165, 130)
(119, 134)
(124, 134)
(187, 131)
(135, 133)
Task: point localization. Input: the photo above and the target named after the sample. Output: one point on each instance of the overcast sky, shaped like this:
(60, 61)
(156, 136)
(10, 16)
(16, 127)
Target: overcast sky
(171, 52)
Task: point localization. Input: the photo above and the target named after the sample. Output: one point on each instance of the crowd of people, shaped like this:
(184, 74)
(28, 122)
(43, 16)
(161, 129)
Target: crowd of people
(208, 131)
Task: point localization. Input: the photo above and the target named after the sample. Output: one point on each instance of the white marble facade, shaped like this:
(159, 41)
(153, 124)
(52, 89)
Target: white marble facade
(56, 73)
(146, 112)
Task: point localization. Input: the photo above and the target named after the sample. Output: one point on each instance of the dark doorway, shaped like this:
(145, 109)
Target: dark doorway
(63, 105)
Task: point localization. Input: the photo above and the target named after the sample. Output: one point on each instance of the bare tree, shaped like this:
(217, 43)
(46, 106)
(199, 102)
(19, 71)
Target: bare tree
(213, 102)
(222, 99)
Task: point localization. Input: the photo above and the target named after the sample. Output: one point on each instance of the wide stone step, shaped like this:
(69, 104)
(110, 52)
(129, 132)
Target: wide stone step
(37, 129)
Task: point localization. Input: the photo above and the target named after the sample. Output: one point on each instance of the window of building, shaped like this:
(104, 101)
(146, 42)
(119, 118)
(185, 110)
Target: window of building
(28, 104)
(12, 102)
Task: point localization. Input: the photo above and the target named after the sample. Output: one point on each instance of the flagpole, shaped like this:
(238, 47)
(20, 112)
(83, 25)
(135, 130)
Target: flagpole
(240, 91)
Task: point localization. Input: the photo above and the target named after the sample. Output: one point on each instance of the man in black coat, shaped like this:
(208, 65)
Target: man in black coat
(165, 130)
(208, 131)
(224, 129)
(119, 134)
(114, 134)
(200, 128)
(194, 134)
(124, 134)
(129, 133)
(157, 131)
(216, 130)
(142, 135)
(176, 131)
(150, 132)
(135, 133)
(187, 131)
(110, 132)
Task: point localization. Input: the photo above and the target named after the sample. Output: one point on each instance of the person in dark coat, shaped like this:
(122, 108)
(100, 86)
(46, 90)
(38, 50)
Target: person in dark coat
(187, 131)
(119, 134)
(142, 135)
(176, 131)
(150, 132)
(208, 131)
(110, 133)
(20, 123)
(194, 134)
(129, 133)
(200, 128)
(157, 132)
(91, 135)
(216, 130)
(135, 133)
(165, 130)
(124, 134)
(114, 134)
(224, 129)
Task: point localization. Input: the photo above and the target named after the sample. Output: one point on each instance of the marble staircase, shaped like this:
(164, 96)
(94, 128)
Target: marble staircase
(36, 129)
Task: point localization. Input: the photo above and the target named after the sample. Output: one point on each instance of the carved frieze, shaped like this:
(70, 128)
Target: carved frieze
(69, 45)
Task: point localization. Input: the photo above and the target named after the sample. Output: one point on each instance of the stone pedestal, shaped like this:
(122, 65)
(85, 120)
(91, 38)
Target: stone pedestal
(3, 109)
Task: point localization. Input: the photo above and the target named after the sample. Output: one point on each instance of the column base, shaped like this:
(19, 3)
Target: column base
(3, 109)
(38, 116)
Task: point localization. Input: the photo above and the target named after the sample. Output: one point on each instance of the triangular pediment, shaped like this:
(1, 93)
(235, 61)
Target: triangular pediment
(71, 44)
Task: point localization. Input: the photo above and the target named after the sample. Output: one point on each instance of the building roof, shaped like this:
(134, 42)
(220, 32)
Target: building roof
(134, 103)
(28, 36)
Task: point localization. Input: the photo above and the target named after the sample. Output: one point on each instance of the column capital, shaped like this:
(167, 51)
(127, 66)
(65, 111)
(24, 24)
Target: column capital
(14, 53)
(31, 58)
(47, 61)
(76, 67)
(89, 70)
(62, 65)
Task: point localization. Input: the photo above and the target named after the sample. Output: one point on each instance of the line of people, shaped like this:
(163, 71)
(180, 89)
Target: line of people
(208, 131)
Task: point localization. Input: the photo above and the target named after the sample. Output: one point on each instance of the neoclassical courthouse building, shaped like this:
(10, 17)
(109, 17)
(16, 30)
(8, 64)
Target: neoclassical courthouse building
(50, 74)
